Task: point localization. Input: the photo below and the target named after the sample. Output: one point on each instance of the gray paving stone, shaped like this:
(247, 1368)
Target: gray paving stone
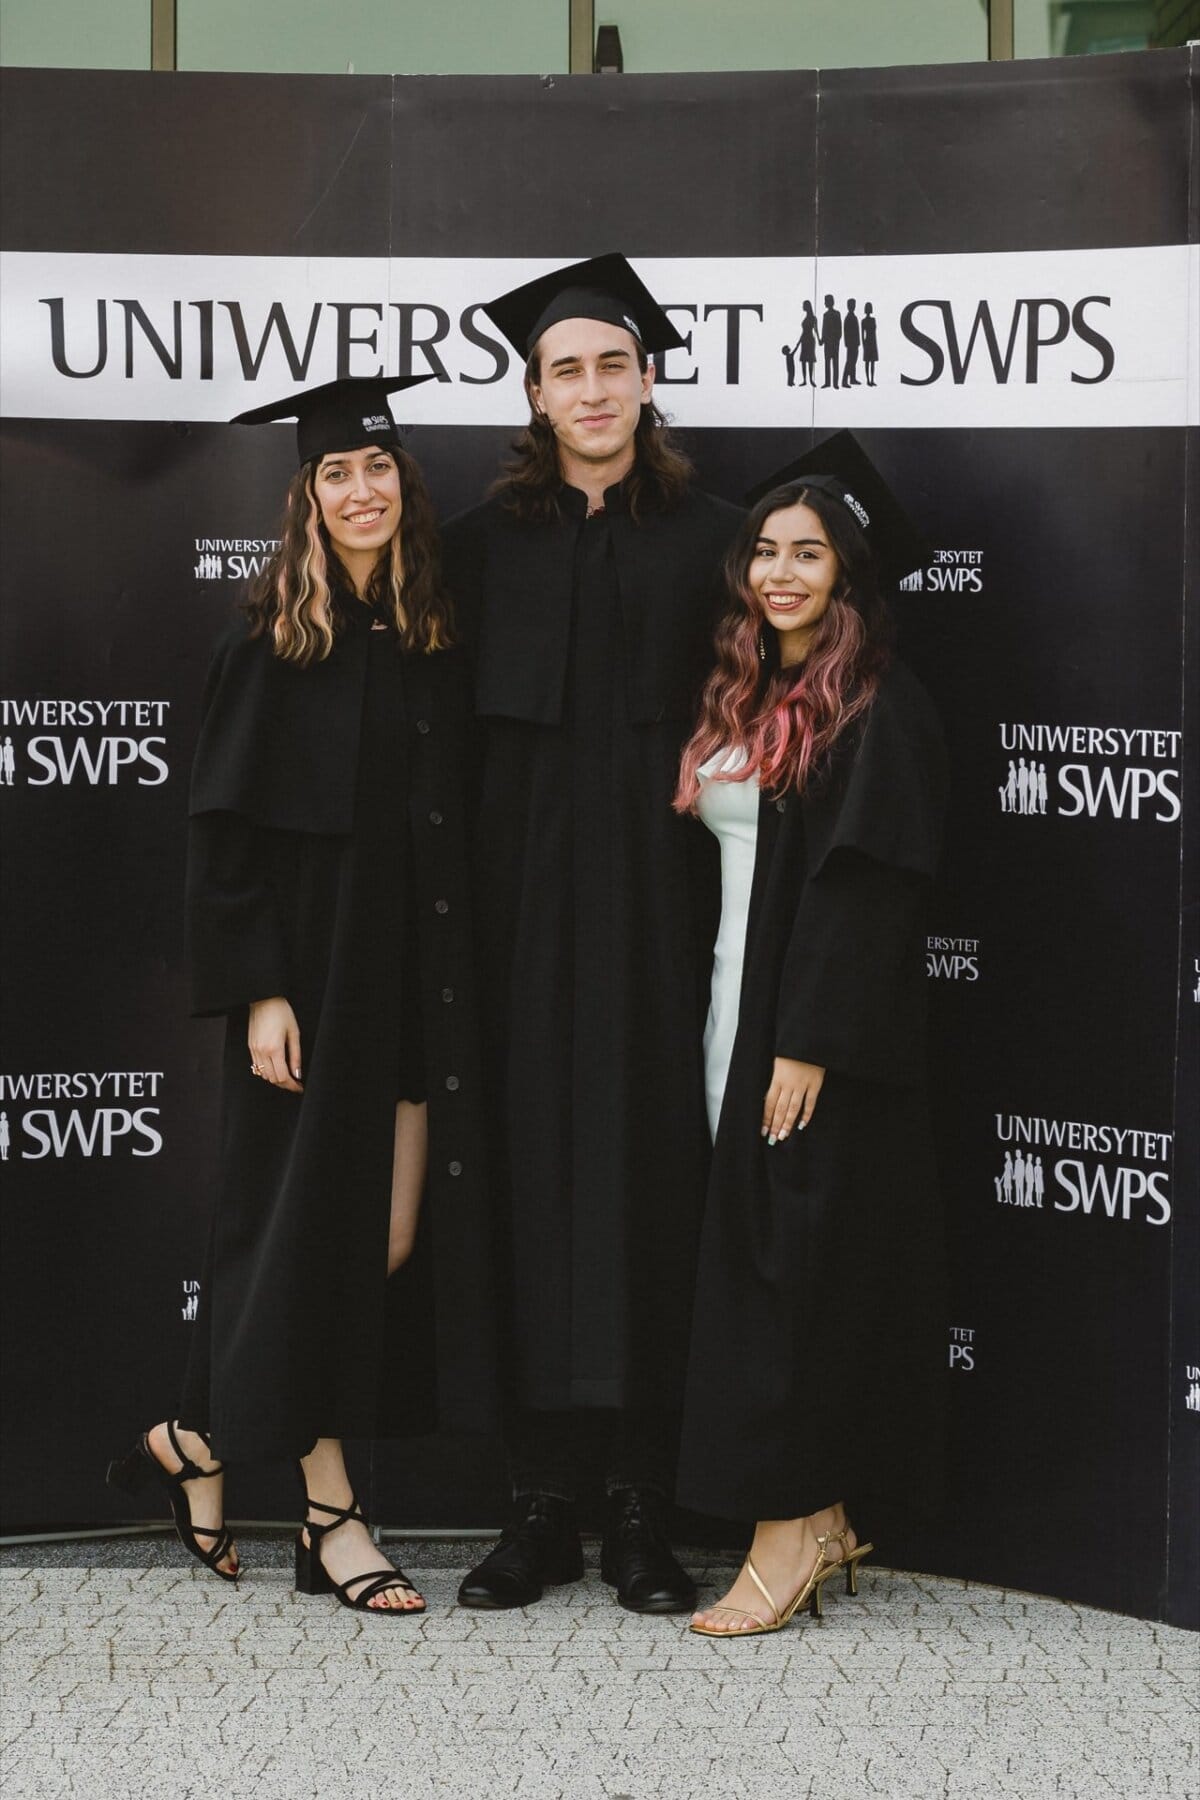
(154, 1681)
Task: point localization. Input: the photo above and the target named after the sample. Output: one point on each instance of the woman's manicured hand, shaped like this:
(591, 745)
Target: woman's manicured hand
(791, 1098)
(274, 1040)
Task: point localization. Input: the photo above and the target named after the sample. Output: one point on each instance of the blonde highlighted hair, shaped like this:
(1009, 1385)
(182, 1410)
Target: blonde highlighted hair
(295, 598)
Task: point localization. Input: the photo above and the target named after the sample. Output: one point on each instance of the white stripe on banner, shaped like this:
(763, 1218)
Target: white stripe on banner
(1037, 338)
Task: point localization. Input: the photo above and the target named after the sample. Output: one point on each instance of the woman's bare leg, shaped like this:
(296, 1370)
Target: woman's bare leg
(349, 1550)
(785, 1552)
(206, 1499)
(410, 1159)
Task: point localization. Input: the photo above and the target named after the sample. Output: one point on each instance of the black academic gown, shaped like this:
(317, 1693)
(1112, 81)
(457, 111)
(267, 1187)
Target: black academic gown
(591, 638)
(327, 864)
(818, 1346)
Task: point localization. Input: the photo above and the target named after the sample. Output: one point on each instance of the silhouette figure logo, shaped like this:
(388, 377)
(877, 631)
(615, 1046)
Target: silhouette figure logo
(847, 338)
(1024, 791)
(1022, 1180)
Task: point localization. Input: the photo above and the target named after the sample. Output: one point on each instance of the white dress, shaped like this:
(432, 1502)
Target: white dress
(730, 810)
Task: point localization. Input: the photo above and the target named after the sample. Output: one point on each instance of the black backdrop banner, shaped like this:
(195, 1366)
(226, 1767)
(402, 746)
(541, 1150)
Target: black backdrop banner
(1025, 237)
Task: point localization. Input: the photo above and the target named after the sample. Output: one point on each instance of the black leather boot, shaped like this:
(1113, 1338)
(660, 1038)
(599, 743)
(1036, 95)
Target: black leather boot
(636, 1558)
(539, 1547)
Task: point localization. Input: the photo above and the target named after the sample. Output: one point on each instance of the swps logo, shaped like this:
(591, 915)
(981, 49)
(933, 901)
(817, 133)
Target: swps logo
(231, 559)
(962, 1348)
(952, 958)
(191, 1302)
(97, 743)
(1037, 333)
(1114, 1172)
(1034, 339)
(1090, 771)
(82, 1114)
(950, 572)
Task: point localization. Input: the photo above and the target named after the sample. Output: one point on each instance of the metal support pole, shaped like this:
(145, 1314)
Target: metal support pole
(1001, 31)
(434, 1534)
(163, 34)
(582, 29)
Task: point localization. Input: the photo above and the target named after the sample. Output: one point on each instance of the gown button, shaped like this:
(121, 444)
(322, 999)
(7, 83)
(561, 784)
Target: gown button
(423, 727)
(781, 806)
(455, 1168)
(452, 1083)
(435, 818)
(441, 906)
(448, 996)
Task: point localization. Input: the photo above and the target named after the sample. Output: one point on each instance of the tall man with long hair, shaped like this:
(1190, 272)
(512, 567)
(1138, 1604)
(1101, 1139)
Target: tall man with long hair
(587, 589)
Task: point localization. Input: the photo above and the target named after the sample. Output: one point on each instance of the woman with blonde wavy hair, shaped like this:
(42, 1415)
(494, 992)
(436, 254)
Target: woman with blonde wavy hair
(327, 922)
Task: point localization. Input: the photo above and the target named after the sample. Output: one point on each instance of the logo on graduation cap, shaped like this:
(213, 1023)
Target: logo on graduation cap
(841, 468)
(337, 416)
(604, 287)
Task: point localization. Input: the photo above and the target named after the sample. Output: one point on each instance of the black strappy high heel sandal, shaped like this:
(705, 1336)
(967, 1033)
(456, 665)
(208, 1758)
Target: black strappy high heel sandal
(139, 1465)
(312, 1577)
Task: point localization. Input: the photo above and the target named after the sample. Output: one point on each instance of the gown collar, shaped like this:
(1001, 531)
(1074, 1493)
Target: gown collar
(574, 501)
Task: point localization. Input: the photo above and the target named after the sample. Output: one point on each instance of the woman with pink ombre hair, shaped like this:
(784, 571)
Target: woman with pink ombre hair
(817, 761)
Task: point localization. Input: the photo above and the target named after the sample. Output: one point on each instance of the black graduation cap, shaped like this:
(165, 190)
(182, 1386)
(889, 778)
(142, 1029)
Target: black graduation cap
(338, 415)
(841, 467)
(603, 287)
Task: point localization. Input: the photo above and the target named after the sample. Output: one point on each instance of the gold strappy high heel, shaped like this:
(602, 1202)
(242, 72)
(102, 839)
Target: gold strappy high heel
(809, 1595)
